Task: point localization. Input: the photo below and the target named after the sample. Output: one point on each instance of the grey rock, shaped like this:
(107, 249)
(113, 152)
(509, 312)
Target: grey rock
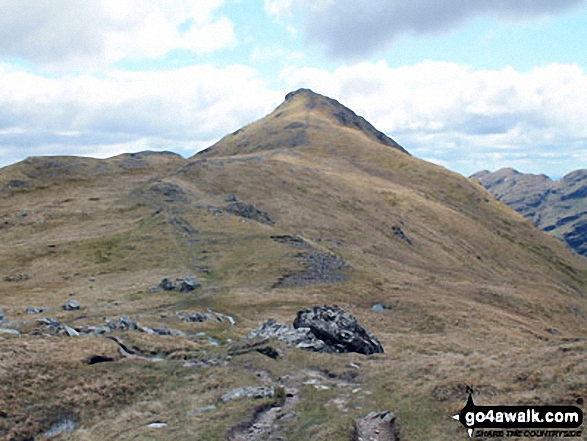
(230, 198)
(321, 267)
(1, 314)
(193, 316)
(288, 416)
(188, 283)
(71, 305)
(9, 331)
(204, 409)
(63, 426)
(249, 211)
(378, 307)
(167, 285)
(302, 338)
(338, 329)
(51, 324)
(154, 289)
(248, 392)
(122, 324)
(70, 331)
(33, 310)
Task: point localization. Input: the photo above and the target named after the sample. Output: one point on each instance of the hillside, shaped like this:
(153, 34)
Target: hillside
(558, 207)
(308, 206)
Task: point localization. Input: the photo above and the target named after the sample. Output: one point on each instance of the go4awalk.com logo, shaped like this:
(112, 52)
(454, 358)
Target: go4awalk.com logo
(520, 421)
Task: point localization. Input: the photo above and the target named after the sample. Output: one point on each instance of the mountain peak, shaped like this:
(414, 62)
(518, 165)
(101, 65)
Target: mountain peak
(305, 118)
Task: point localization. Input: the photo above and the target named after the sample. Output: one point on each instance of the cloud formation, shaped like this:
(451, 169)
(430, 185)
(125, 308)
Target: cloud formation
(82, 34)
(358, 28)
(183, 110)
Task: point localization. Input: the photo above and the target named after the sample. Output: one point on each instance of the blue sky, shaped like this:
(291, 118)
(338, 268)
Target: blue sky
(467, 85)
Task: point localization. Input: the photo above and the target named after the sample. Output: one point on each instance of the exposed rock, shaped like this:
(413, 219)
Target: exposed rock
(1, 314)
(302, 338)
(230, 198)
(248, 392)
(199, 317)
(188, 283)
(321, 267)
(193, 316)
(378, 307)
(71, 305)
(338, 329)
(62, 426)
(204, 409)
(377, 426)
(9, 331)
(248, 211)
(33, 310)
(70, 331)
(122, 324)
(182, 284)
(167, 285)
(157, 425)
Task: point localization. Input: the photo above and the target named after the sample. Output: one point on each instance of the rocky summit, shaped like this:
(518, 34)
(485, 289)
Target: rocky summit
(151, 296)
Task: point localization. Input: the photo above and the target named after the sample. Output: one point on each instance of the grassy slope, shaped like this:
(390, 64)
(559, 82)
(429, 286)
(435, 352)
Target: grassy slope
(471, 298)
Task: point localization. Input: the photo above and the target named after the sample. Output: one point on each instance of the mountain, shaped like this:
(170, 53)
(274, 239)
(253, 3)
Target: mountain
(558, 207)
(309, 206)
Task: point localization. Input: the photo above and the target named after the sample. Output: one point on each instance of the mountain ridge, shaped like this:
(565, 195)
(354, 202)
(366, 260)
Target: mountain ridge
(557, 207)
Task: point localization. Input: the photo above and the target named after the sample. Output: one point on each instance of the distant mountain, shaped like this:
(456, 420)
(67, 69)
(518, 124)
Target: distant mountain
(558, 207)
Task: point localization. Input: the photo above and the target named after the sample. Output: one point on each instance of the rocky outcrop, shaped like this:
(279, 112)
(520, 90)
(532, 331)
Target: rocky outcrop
(321, 329)
(181, 284)
(338, 329)
(249, 211)
(321, 267)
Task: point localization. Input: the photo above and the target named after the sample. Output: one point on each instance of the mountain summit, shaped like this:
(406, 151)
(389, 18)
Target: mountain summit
(305, 118)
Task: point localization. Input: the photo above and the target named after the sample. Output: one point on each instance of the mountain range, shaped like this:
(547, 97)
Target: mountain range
(130, 288)
(558, 207)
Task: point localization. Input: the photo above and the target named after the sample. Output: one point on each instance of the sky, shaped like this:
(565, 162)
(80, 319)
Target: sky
(469, 85)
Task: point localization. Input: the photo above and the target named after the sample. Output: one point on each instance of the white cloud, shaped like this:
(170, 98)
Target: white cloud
(356, 28)
(82, 35)
(464, 117)
(184, 109)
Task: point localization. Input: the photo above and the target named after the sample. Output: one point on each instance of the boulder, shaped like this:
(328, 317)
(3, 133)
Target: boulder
(1, 314)
(33, 310)
(338, 329)
(188, 283)
(167, 285)
(122, 324)
(71, 305)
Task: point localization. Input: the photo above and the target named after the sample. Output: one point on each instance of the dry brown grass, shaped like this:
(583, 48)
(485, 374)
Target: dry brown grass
(470, 299)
